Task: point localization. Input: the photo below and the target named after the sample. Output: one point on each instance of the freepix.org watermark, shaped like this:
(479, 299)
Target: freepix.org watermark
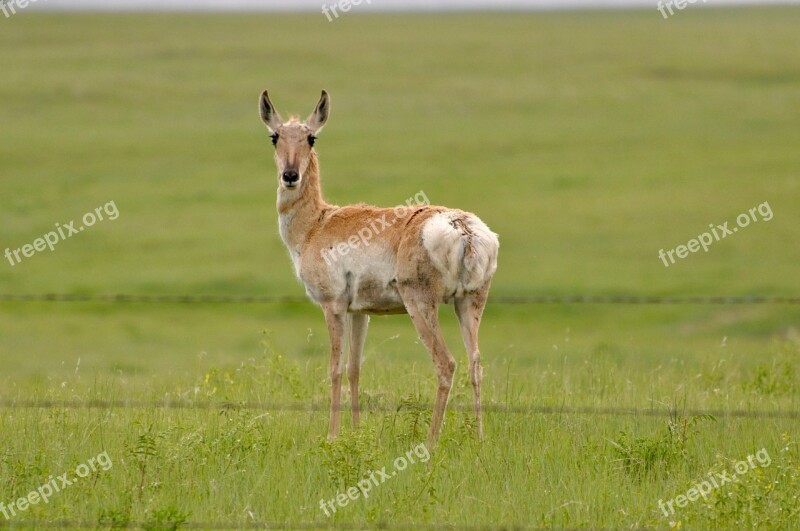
(376, 226)
(715, 481)
(365, 485)
(9, 7)
(56, 485)
(665, 6)
(62, 232)
(717, 233)
(341, 5)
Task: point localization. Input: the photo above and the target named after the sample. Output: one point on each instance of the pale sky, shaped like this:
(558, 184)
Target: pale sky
(374, 5)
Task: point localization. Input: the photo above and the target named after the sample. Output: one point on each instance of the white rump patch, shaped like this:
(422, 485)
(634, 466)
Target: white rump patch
(463, 250)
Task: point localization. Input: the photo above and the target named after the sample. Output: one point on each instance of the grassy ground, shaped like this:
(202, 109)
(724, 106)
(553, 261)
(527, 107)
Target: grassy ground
(588, 141)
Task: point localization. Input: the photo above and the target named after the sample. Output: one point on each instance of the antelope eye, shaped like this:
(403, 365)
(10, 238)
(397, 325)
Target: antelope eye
(311, 140)
(275, 139)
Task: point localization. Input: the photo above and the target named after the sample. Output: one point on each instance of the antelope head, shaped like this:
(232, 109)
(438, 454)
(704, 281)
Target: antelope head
(293, 140)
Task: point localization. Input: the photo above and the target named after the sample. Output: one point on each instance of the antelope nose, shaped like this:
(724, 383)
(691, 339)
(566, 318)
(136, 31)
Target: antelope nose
(291, 177)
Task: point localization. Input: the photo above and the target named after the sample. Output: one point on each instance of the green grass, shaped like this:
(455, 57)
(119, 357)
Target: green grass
(588, 141)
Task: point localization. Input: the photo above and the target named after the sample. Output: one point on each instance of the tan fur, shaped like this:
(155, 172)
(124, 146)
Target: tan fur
(429, 256)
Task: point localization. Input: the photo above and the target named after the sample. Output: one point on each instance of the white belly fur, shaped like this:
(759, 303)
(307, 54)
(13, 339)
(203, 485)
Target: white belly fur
(366, 278)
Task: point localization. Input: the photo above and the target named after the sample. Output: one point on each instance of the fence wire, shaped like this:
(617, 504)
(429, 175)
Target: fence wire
(121, 298)
(75, 524)
(390, 408)
(320, 407)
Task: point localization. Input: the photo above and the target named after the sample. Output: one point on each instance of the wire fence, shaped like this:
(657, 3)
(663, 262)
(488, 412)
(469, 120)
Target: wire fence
(318, 407)
(267, 299)
(387, 408)
(75, 524)
(391, 408)
(285, 299)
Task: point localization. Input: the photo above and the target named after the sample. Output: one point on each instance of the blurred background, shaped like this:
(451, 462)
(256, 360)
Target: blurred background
(588, 139)
(366, 5)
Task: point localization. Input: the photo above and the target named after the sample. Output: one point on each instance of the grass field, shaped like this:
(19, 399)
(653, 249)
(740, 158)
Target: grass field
(588, 141)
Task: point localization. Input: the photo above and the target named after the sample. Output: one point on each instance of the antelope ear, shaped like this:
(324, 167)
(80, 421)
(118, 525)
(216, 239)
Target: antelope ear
(320, 115)
(269, 115)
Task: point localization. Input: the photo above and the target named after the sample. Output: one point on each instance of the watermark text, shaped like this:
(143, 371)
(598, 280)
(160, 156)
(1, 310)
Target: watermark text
(62, 232)
(374, 479)
(717, 233)
(715, 481)
(56, 485)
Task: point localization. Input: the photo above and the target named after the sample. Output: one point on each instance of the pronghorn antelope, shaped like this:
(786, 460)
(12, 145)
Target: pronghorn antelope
(432, 255)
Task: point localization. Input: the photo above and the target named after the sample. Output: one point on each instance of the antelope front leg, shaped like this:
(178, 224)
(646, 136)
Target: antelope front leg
(335, 317)
(358, 334)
